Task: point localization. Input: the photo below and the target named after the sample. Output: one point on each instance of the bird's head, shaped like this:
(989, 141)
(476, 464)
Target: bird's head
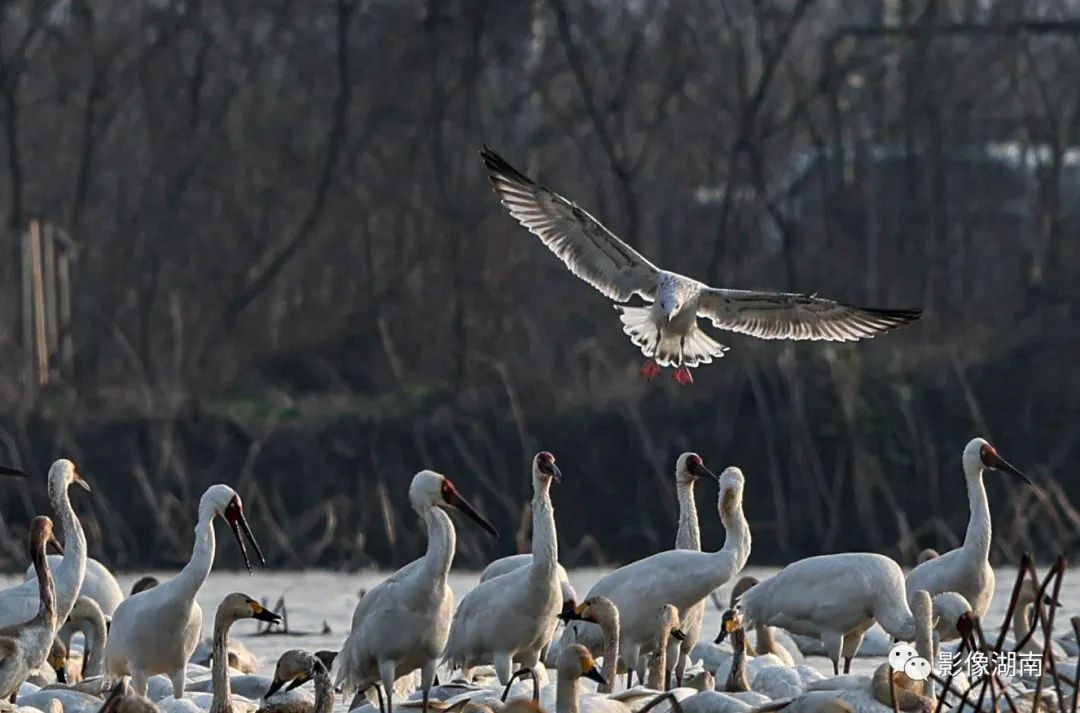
(980, 455)
(430, 489)
(545, 470)
(690, 467)
(670, 304)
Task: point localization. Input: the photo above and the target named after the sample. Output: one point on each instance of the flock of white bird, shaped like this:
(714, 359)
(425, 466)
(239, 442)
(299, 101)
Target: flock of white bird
(521, 621)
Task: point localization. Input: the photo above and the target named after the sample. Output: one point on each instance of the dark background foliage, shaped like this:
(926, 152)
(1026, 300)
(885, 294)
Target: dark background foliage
(289, 273)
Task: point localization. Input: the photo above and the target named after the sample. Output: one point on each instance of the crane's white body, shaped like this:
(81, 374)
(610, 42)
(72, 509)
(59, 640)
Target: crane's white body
(509, 618)
(403, 621)
(511, 562)
(20, 603)
(965, 570)
(687, 537)
(837, 598)
(402, 624)
(98, 583)
(681, 578)
(156, 630)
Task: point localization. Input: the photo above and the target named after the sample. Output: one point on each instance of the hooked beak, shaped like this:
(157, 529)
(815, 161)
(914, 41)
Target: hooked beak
(234, 514)
(1007, 467)
(263, 614)
(595, 675)
(463, 505)
(679, 634)
(8, 470)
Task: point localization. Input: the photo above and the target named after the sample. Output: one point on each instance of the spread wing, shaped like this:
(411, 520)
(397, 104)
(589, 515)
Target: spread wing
(779, 315)
(591, 251)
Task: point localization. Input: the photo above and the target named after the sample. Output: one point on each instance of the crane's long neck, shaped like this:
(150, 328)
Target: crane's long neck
(195, 572)
(610, 630)
(977, 539)
(732, 557)
(566, 694)
(324, 690)
(545, 544)
(219, 665)
(688, 536)
(895, 616)
(95, 632)
(72, 569)
(442, 541)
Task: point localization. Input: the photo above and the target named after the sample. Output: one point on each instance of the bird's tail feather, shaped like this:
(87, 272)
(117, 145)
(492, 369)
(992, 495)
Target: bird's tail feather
(695, 348)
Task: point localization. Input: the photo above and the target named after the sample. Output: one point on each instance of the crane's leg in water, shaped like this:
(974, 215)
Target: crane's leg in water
(387, 670)
(503, 663)
(834, 644)
(179, 679)
(427, 678)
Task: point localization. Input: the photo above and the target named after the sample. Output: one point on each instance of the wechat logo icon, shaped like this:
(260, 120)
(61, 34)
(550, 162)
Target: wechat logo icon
(904, 657)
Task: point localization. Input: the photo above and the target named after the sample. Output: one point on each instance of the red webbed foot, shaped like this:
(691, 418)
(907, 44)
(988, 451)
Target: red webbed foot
(650, 370)
(682, 375)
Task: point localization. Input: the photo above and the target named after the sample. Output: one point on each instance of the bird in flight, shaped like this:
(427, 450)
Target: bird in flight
(667, 331)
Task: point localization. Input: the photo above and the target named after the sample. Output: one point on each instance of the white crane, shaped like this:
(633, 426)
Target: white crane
(966, 570)
(233, 608)
(26, 648)
(689, 468)
(681, 578)
(19, 603)
(402, 623)
(838, 597)
(156, 630)
(667, 332)
(511, 562)
(508, 619)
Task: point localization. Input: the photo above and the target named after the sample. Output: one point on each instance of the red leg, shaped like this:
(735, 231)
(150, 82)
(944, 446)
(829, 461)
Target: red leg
(682, 375)
(650, 369)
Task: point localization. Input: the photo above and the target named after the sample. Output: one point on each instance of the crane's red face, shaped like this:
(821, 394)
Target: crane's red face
(234, 515)
(990, 459)
(696, 467)
(452, 497)
(545, 464)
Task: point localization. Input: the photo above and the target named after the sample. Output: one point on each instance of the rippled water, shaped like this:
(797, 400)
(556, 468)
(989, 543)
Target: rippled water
(313, 598)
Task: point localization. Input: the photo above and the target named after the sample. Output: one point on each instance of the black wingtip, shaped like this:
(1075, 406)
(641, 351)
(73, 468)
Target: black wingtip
(501, 168)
